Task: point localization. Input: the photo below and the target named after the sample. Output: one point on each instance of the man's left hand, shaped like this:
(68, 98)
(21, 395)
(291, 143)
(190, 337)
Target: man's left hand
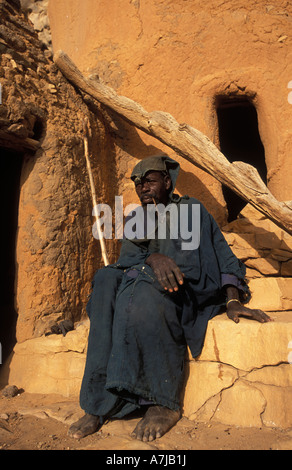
(236, 310)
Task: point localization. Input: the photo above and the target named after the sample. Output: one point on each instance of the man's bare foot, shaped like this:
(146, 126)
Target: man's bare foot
(86, 425)
(156, 422)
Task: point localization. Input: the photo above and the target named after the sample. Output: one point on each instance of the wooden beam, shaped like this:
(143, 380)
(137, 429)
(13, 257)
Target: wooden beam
(187, 141)
(17, 143)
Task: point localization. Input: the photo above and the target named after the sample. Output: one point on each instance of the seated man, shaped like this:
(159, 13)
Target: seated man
(145, 309)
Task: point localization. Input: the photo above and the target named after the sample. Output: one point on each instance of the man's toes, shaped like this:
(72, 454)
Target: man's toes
(138, 433)
(146, 435)
(86, 425)
(76, 434)
(158, 434)
(153, 435)
(72, 430)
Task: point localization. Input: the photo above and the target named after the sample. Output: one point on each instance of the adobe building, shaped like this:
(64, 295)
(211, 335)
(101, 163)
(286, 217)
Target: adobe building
(225, 69)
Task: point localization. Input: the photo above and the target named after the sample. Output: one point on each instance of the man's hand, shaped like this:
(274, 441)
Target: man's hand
(167, 272)
(236, 310)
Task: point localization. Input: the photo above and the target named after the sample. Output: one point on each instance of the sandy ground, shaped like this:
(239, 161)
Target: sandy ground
(40, 422)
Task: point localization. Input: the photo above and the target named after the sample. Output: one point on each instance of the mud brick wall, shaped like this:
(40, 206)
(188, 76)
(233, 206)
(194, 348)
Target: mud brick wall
(41, 123)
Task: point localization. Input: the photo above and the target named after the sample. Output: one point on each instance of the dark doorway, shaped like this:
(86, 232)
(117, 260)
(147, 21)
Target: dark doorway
(10, 171)
(239, 141)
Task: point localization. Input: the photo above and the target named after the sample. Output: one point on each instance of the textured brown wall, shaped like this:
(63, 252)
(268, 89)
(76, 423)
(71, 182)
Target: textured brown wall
(56, 254)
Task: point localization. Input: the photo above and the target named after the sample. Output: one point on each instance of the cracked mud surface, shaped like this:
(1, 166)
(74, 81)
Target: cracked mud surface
(41, 422)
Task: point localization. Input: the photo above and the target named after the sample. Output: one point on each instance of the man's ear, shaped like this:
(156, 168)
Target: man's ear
(167, 181)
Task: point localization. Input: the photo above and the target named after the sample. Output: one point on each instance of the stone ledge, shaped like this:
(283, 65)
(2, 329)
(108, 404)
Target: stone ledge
(248, 344)
(49, 364)
(243, 376)
(271, 293)
(239, 401)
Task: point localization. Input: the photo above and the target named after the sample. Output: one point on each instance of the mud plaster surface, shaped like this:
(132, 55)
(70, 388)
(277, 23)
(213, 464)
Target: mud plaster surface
(40, 422)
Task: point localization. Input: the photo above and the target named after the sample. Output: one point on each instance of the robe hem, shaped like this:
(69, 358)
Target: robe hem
(116, 387)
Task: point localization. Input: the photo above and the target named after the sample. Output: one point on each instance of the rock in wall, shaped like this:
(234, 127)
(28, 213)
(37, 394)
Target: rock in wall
(37, 13)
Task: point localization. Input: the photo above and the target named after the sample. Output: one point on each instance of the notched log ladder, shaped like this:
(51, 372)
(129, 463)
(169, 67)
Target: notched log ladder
(187, 142)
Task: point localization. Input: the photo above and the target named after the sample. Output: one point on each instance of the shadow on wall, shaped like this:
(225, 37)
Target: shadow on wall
(130, 142)
(200, 192)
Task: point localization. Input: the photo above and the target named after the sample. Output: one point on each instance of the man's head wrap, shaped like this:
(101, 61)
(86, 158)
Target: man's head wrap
(161, 163)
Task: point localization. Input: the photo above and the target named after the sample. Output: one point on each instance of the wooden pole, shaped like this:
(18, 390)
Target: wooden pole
(93, 195)
(188, 142)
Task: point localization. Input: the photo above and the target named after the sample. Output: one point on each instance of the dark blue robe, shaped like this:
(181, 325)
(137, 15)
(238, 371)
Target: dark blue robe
(139, 332)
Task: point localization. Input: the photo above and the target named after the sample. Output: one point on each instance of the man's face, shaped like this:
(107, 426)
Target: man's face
(154, 187)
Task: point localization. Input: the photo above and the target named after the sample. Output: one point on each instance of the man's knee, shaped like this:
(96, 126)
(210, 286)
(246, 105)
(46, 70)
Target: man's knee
(105, 285)
(106, 276)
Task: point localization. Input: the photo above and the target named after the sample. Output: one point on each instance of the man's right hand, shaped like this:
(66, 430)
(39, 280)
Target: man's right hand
(167, 272)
